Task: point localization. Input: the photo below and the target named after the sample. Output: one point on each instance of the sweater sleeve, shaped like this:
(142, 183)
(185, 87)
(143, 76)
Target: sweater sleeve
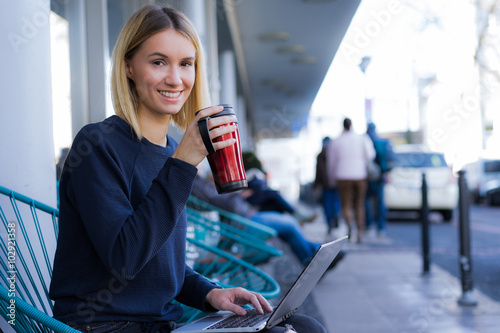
(195, 289)
(125, 239)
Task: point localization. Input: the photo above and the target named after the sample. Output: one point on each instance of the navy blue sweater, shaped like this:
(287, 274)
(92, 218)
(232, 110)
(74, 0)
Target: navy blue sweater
(122, 230)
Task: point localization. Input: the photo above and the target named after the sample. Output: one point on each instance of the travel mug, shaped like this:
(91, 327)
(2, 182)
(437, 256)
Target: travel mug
(227, 163)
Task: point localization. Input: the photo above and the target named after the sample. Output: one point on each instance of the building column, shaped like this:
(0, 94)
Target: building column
(245, 137)
(89, 61)
(228, 93)
(212, 50)
(26, 139)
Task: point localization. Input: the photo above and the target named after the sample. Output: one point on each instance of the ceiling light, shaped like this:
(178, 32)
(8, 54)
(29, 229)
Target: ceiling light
(281, 88)
(272, 106)
(290, 49)
(318, 1)
(308, 60)
(274, 36)
(272, 81)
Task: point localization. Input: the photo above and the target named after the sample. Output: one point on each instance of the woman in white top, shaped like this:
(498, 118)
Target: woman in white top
(347, 160)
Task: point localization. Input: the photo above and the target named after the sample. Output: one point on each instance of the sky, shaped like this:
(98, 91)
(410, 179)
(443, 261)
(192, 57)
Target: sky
(408, 42)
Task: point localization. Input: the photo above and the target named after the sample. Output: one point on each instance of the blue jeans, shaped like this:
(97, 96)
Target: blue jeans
(300, 323)
(289, 230)
(375, 207)
(125, 327)
(331, 205)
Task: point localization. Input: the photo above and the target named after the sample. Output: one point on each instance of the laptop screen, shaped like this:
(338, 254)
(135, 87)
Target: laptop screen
(306, 281)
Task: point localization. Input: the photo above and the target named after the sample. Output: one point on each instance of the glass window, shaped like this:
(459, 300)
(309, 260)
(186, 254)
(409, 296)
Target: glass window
(492, 166)
(61, 84)
(420, 160)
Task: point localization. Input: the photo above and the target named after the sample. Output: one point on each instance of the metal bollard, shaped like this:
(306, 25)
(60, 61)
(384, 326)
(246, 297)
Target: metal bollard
(467, 297)
(424, 216)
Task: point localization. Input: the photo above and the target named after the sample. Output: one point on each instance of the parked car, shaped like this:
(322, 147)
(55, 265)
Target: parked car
(492, 197)
(403, 189)
(483, 177)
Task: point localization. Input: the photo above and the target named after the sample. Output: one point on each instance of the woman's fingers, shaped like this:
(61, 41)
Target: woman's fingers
(192, 149)
(208, 111)
(222, 130)
(220, 121)
(231, 299)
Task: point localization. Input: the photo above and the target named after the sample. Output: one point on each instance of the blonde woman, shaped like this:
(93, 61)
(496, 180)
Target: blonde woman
(120, 258)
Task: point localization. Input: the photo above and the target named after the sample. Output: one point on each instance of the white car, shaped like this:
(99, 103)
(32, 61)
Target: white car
(403, 188)
(483, 179)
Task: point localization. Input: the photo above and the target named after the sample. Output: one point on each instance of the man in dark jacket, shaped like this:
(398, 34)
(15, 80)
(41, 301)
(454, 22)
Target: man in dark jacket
(327, 187)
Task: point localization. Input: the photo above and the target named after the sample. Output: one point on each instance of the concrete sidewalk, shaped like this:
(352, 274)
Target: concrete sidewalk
(379, 289)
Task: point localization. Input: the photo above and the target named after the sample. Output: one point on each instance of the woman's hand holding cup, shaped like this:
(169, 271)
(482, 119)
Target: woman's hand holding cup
(191, 148)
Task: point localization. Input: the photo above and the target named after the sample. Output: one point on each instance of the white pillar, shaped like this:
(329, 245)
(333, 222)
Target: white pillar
(78, 65)
(89, 61)
(98, 59)
(245, 137)
(212, 50)
(26, 140)
(228, 93)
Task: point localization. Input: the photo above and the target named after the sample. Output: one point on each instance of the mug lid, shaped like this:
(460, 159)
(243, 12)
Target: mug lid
(227, 111)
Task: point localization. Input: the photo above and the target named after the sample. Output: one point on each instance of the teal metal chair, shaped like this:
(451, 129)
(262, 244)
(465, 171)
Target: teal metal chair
(207, 227)
(27, 227)
(237, 221)
(227, 271)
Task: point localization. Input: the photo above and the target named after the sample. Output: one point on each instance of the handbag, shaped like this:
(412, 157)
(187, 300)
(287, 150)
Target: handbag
(373, 170)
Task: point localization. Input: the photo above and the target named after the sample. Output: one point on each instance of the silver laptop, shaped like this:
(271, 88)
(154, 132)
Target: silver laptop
(253, 322)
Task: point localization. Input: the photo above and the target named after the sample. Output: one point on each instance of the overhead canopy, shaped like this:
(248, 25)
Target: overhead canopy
(283, 50)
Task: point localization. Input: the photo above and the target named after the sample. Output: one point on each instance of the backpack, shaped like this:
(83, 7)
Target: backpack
(384, 154)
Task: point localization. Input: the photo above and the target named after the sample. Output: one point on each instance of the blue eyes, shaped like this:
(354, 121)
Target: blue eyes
(159, 63)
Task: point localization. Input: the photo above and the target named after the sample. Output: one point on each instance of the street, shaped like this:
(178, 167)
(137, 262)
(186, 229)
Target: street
(380, 277)
(406, 233)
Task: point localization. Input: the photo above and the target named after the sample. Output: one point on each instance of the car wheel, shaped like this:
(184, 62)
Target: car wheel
(447, 215)
(476, 197)
(493, 198)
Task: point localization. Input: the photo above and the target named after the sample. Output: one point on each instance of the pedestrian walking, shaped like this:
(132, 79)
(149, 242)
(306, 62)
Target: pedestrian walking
(327, 188)
(348, 157)
(375, 206)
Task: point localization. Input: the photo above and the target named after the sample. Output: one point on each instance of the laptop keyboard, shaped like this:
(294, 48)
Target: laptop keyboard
(252, 318)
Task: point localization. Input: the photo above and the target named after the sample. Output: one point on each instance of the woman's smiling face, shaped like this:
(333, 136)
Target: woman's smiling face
(163, 70)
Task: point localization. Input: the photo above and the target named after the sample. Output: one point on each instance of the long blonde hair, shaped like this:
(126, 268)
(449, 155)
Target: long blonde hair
(146, 22)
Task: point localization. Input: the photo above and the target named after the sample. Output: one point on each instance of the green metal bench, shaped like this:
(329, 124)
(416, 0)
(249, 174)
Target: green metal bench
(237, 221)
(207, 227)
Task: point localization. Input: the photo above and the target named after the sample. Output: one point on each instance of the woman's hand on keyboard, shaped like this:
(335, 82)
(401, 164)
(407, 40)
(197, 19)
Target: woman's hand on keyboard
(230, 300)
